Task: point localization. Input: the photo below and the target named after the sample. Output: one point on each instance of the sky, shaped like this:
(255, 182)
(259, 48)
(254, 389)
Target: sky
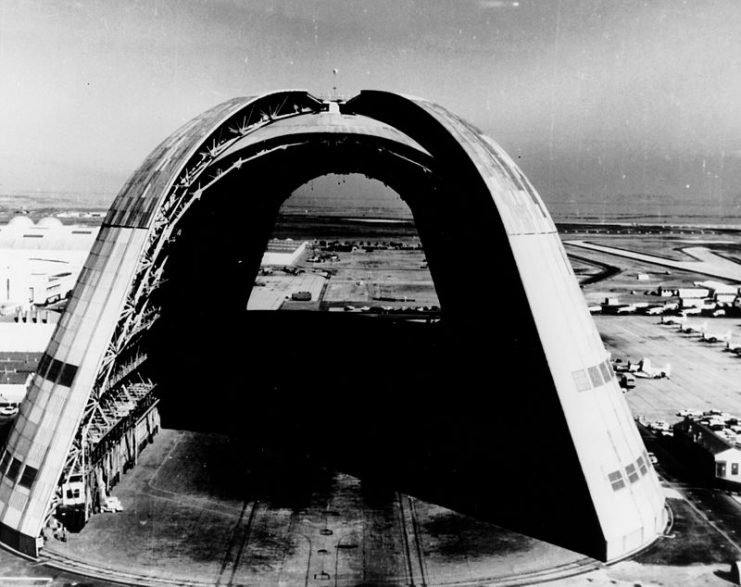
(605, 104)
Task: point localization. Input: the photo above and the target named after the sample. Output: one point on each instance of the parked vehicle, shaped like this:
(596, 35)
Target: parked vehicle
(111, 505)
(8, 410)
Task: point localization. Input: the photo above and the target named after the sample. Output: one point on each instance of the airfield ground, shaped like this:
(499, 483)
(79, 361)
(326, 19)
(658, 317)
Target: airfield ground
(201, 509)
(703, 376)
(192, 517)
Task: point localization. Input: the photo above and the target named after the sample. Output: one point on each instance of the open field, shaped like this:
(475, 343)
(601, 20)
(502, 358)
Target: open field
(703, 375)
(275, 289)
(368, 277)
(392, 277)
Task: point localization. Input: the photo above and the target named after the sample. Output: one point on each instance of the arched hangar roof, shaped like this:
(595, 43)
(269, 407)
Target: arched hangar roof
(471, 194)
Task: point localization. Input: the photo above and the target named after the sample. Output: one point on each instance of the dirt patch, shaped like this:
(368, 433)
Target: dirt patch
(693, 542)
(454, 536)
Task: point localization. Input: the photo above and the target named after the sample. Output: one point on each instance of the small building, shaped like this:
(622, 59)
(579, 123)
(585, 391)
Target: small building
(725, 298)
(716, 287)
(721, 293)
(717, 457)
(283, 252)
(687, 293)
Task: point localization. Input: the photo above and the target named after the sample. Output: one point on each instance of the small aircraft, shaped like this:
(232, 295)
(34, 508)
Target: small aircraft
(692, 329)
(732, 347)
(646, 371)
(716, 337)
(673, 321)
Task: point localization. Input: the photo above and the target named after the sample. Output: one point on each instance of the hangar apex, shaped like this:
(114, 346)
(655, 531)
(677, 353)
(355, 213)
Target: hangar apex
(596, 493)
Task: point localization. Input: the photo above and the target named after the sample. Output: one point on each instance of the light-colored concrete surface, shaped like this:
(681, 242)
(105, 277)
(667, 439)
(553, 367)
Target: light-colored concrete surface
(362, 276)
(703, 375)
(190, 519)
(276, 289)
(632, 574)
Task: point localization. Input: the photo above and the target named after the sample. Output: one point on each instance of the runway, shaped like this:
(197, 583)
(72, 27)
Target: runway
(706, 261)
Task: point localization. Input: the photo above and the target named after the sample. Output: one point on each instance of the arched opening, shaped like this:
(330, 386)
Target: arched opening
(345, 243)
(480, 410)
(424, 405)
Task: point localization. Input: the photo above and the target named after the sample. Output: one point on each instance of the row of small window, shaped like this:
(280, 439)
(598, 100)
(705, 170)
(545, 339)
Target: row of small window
(631, 471)
(586, 379)
(721, 469)
(56, 371)
(11, 468)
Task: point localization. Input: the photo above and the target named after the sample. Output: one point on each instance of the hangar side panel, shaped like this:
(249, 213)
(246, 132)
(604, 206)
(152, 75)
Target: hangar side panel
(48, 420)
(43, 433)
(625, 490)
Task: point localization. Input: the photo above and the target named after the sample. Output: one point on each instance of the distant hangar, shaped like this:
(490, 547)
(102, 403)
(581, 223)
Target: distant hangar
(597, 493)
(40, 262)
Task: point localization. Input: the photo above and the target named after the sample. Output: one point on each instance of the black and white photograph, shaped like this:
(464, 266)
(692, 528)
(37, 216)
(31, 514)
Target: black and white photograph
(402, 293)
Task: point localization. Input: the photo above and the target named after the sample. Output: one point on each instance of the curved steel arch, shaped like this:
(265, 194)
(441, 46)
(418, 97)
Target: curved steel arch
(63, 420)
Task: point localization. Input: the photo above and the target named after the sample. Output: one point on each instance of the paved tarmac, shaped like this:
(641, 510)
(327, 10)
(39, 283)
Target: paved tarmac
(195, 515)
(184, 523)
(703, 375)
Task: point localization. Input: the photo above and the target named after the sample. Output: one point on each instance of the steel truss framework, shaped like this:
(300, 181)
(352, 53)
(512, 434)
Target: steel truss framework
(113, 395)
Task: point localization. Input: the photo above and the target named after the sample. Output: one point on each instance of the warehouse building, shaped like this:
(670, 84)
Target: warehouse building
(283, 252)
(40, 262)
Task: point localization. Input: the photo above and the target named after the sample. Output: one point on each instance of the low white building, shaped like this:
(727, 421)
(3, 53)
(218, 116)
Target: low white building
(721, 293)
(283, 252)
(716, 287)
(728, 466)
(692, 292)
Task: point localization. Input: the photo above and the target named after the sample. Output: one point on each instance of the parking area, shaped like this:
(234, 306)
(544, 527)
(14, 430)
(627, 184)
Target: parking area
(703, 375)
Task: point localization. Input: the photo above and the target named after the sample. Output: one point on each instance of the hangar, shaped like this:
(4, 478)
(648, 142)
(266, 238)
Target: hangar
(126, 341)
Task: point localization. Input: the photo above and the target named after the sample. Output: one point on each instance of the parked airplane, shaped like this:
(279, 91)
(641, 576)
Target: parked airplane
(716, 337)
(646, 371)
(672, 320)
(733, 347)
(692, 329)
